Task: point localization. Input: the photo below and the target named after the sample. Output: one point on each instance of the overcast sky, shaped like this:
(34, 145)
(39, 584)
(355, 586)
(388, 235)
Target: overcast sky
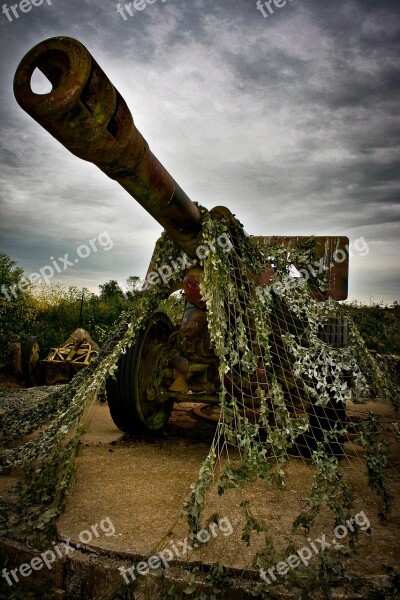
(291, 120)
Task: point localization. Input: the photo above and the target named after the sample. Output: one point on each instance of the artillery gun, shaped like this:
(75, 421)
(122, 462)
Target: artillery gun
(90, 118)
(55, 365)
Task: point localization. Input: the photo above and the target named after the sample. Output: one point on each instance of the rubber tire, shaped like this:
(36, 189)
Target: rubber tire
(31, 377)
(122, 392)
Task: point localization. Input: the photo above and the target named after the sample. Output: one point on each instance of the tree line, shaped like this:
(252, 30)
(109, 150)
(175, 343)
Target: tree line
(52, 312)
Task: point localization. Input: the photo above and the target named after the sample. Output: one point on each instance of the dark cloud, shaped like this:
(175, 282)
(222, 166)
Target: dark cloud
(290, 120)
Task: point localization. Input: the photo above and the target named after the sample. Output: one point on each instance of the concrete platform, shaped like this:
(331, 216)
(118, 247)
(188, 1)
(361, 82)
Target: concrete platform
(127, 500)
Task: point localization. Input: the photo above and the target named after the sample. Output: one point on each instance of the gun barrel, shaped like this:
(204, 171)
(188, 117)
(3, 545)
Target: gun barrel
(90, 118)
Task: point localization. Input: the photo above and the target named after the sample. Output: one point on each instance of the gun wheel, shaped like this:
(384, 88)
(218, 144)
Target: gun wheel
(134, 397)
(30, 357)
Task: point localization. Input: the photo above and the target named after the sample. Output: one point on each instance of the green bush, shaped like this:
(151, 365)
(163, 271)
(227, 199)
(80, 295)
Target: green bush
(379, 325)
(17, 307)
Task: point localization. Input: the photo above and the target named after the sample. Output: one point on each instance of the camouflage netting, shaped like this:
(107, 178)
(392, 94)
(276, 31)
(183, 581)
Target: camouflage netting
(284, 391)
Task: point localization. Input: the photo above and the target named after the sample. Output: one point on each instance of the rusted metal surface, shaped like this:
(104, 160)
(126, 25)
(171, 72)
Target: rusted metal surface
(64, 361)
(90, 118)
(192, 330)
(335, 332)
(191, 286)
(181, 367)
(192, 397)
(331, 258)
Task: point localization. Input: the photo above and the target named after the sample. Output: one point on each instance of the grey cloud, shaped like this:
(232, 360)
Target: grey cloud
(291, 121)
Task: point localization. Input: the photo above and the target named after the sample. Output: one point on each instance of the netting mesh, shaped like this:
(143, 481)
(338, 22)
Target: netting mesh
(295, 473)
(286, 462)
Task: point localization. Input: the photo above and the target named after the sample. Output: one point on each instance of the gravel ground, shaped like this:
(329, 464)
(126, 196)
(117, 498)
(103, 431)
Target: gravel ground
(24, 398)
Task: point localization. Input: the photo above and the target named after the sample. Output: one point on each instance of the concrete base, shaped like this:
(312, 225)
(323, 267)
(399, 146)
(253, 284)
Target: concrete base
(127, 501)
